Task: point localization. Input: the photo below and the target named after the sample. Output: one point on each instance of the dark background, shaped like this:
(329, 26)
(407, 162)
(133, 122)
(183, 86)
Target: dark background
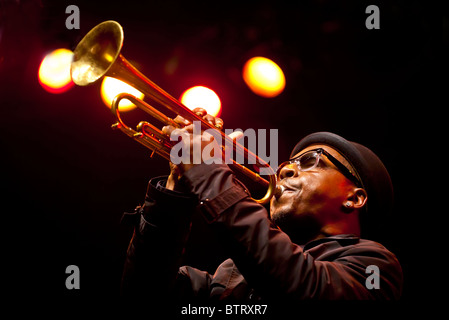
(67, 178)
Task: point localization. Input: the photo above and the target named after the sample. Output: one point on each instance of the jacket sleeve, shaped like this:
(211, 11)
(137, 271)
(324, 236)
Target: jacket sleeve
(271, 264)
(161, 227)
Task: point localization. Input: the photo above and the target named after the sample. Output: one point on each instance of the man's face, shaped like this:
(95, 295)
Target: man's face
(312, 198)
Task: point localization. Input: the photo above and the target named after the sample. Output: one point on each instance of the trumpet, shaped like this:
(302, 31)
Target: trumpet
(98, 55)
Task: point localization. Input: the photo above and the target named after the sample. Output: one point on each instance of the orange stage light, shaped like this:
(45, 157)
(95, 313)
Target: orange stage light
(110, 87)
(54, 71)
(264, 77)
(202, 97)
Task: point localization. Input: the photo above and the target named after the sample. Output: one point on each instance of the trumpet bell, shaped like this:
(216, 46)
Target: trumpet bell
(96, 53)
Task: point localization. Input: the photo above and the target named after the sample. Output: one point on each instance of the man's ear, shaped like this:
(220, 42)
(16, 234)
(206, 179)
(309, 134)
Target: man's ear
(356, 199)
(359, 197)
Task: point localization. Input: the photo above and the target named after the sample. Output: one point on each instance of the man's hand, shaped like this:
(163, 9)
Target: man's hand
(185, 130)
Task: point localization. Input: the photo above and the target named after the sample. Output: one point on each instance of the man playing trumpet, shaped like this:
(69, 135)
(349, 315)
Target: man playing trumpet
(308, 246)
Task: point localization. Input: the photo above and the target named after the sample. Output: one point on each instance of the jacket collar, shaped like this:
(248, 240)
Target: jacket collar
(343, 239)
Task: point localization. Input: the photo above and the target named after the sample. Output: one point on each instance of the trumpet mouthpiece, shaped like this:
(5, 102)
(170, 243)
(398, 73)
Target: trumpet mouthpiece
(279, 191)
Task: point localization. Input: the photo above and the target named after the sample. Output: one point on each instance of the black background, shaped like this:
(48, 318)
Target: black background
(67, 177)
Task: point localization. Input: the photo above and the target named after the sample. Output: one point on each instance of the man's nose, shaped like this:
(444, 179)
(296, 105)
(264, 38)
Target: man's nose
(289, 171)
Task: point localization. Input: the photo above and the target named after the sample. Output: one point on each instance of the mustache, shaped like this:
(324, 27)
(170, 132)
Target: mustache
(289, 184)
(283, 186)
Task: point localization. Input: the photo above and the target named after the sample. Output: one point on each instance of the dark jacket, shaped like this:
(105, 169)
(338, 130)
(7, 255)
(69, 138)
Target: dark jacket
(264, 264)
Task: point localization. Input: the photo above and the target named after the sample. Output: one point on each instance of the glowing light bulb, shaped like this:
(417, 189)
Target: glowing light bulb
(110, 87)
(264, 77)
(54, 71)
(202, 97)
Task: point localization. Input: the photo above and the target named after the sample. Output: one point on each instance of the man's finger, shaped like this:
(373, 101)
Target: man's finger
(210, 119)
(236, 135)
(181, 121)
(218, 123)
(167, 130)
(200, 112)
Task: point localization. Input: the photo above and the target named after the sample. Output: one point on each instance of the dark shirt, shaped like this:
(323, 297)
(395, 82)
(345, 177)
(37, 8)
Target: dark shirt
(264, 264)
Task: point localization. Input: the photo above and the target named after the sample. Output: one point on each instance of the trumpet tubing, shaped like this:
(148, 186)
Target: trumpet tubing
(98, 55)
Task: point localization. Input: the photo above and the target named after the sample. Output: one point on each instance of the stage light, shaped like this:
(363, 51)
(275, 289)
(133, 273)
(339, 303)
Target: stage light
(202, 97)
(54, 71)
(264, 77)
(110, 87)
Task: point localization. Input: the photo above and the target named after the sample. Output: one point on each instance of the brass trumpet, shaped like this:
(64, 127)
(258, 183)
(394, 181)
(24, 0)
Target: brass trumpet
(98, 55)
